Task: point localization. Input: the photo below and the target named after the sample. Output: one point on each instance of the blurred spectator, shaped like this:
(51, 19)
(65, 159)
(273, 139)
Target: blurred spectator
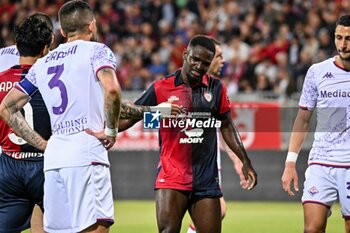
(157, 67)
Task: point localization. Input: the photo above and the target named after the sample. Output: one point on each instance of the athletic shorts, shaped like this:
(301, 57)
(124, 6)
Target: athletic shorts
(21, 186)
(77, 197)
(196, 195)
(323, 184)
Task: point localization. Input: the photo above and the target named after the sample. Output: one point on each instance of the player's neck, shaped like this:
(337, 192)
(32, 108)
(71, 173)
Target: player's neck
(86, 37)
(344, 64)
(27, 60)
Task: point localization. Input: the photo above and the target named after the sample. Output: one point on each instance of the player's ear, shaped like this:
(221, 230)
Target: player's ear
(46, 50)
(62, 33)
(92, 26)
(184, 54)
(52, 39)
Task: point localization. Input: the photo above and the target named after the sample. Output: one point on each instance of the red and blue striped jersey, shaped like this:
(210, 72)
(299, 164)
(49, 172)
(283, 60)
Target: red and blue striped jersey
(188, 143)
(34, 112)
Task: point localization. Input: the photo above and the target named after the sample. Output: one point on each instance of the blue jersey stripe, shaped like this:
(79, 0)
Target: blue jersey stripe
(27, 86)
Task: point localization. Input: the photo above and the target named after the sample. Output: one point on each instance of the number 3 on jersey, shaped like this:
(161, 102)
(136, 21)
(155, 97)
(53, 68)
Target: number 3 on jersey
(56, 82)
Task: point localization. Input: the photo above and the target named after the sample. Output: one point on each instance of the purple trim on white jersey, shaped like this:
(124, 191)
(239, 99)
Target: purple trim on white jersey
(102, 67)
(100, 163)
(316, 202)
(330, 165)
(304, 108)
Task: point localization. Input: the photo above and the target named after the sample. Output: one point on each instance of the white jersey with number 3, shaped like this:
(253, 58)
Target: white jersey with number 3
(67, 80)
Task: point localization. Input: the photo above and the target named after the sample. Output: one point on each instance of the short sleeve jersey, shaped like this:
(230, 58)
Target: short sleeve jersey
(188, 144)
(34, 112)
(9, 56)
(67, 80)
(327, 88)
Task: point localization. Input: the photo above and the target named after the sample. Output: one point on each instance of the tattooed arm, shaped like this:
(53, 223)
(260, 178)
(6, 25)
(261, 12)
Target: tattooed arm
(10, 114)
(112, 96)
(131, 111)
(112, 99)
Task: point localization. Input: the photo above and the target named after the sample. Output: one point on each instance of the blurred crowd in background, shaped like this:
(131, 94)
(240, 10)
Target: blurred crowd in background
(267, 45)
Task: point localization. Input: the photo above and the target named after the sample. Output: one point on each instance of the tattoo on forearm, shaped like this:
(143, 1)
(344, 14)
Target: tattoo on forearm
(112, 110)
(111, 100)
(20, 126)
(131, 111)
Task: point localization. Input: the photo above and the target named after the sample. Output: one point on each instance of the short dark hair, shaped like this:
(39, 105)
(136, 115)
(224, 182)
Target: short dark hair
(44, 18)
(31, 36)
(343, 20)
(74, 16)
(214, 40)
(203, 41)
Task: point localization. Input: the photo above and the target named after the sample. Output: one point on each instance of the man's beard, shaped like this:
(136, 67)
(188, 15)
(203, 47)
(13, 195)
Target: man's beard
(344, 58)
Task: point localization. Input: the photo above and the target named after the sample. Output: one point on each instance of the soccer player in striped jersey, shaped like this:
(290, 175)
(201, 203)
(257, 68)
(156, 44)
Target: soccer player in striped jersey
(327, 179)
(215, 70)
(21, 165)
(187, 178)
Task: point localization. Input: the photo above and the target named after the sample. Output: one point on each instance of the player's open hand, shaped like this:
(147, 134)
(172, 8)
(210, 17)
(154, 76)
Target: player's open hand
(290, 176)
(107, 141)
(168, 109)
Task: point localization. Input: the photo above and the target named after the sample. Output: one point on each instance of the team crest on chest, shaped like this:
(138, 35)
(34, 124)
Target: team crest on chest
(208, 96)
(173, 98)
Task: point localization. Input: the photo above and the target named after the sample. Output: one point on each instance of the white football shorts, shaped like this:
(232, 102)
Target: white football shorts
(77, 197)
(323, 184)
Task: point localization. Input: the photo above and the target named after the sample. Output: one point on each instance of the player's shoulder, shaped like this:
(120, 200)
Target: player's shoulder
(169, 77)
(319, 69)
(86, 45)
(213, 81)
(212, 78)
(92, 44)
(11, 48)
(12, 72)
(8, 56)
(325, 64)
(5, 73)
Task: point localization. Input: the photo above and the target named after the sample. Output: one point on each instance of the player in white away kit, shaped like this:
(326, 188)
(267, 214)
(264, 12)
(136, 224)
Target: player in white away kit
(326, 88)
(78, 84)
(9, 57)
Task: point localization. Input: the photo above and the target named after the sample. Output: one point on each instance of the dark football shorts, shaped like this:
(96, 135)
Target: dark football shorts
(21, 186)
(200, 194)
